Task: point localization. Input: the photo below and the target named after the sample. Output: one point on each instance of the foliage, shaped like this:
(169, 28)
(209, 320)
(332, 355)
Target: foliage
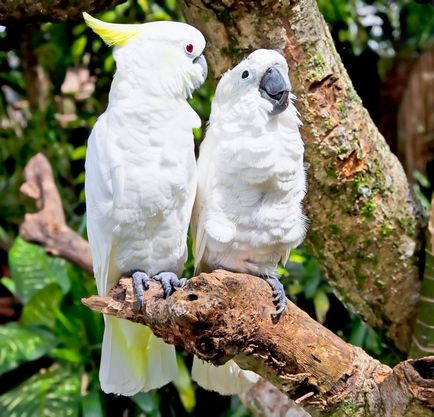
(388, 28)
(49, 359)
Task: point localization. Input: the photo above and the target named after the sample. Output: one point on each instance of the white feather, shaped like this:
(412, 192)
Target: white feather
(140, 187)
(227, 379)
(248, 209)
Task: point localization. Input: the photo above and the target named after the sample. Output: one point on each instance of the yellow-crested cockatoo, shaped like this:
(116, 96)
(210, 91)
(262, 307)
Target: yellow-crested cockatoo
(251, 182)
(140, 185)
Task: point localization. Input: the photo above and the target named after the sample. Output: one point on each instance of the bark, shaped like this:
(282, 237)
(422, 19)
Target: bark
(36, 78)
(423, 337)
(223, 315)
(415, 118)
(48, 226)
(37, 11)
(364, 227)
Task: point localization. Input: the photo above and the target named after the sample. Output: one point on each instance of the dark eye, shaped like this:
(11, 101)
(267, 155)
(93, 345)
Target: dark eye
(245, 74)
(189, 48)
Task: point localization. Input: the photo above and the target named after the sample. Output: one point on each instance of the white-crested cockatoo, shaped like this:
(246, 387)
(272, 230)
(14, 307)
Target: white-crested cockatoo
(140, 186)
(251, 182)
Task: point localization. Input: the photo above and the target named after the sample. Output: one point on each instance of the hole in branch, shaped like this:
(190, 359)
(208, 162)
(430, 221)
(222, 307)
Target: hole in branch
(192, 297)
(425, 367)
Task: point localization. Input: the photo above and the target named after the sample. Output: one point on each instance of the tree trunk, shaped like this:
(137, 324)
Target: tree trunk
(363, 222)
(222, 316)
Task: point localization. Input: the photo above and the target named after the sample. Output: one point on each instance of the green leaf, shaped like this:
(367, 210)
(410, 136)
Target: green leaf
(32, 269)
(19, 345)
(311, 278)
(66, 355)
(50, 393)
(91, 405)
(358, 333)
(42, 307)
(79, 153)
(77, 48)
(184, 385)
(322, 304)
(9, 284)
(148, 402)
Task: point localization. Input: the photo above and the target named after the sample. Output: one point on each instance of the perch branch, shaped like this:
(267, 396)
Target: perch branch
(222, 316)
(48, 226)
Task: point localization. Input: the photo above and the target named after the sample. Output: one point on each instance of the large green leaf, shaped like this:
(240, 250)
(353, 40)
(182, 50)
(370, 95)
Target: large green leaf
(19, 345)
(42, 307)
(32, 269)
(52, 392)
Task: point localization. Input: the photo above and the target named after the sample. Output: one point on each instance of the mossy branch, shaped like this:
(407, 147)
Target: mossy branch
(223, 315)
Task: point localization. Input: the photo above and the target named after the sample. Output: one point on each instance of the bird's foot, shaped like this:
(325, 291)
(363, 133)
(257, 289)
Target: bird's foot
(169, 281)
(140, 281)
(279, 297)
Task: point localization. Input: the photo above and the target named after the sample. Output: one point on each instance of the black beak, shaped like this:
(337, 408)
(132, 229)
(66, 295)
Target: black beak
(275, 88)
(202, 62)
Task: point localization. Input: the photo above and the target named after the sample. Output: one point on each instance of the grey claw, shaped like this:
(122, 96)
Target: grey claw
(279, 297)
(169, 281)
(140, 281)
(182, 282)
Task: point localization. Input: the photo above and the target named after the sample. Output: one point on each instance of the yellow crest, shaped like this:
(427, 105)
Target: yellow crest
(113, 33)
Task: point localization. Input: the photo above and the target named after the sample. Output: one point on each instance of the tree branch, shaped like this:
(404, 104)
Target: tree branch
(222, 316)
(364, 227)
(48, 226)
(37, 11)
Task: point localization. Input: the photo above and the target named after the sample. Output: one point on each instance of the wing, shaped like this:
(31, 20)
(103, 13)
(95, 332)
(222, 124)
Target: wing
(209, 224)
(99, 204)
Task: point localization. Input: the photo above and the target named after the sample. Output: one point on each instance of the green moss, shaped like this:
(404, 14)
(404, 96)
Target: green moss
(342, 109)
(368, 209)
(386, 230)
(334, 229)
(347, 409)
(328, 125)
(316, 66)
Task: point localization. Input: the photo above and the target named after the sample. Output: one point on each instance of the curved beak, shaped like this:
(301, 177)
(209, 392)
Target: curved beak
(202, 62)
(275, 88)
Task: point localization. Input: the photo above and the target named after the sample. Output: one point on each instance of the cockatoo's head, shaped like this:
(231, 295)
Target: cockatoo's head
(163, 57)
(260, 82)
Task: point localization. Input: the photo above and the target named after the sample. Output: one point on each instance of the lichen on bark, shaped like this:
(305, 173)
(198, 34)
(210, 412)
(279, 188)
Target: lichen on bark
(364, 226)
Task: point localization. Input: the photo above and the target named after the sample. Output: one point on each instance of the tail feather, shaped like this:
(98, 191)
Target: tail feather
(133, 359)
(227, 379)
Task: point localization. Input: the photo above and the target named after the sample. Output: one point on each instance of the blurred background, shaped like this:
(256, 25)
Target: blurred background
(54, 82)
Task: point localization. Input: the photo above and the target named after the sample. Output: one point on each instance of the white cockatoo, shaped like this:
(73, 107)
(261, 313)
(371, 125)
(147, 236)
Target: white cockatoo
(251, 183)
(140, 186)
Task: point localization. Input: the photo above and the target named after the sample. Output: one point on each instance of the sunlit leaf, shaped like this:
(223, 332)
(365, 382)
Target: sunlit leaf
(50, 393)
(79, 153)
(42, 306)
(19, 345)
(9, 284)
(184, 385)
(322, 304)
(32, 269)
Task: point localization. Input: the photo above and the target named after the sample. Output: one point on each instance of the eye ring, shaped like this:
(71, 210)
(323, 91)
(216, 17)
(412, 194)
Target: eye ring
(245, 74)
(189, 48)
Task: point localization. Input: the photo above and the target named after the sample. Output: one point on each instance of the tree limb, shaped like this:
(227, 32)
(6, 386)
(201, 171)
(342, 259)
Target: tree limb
(223, 315)
(48, 226)
(37, 11)
(364, 227)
